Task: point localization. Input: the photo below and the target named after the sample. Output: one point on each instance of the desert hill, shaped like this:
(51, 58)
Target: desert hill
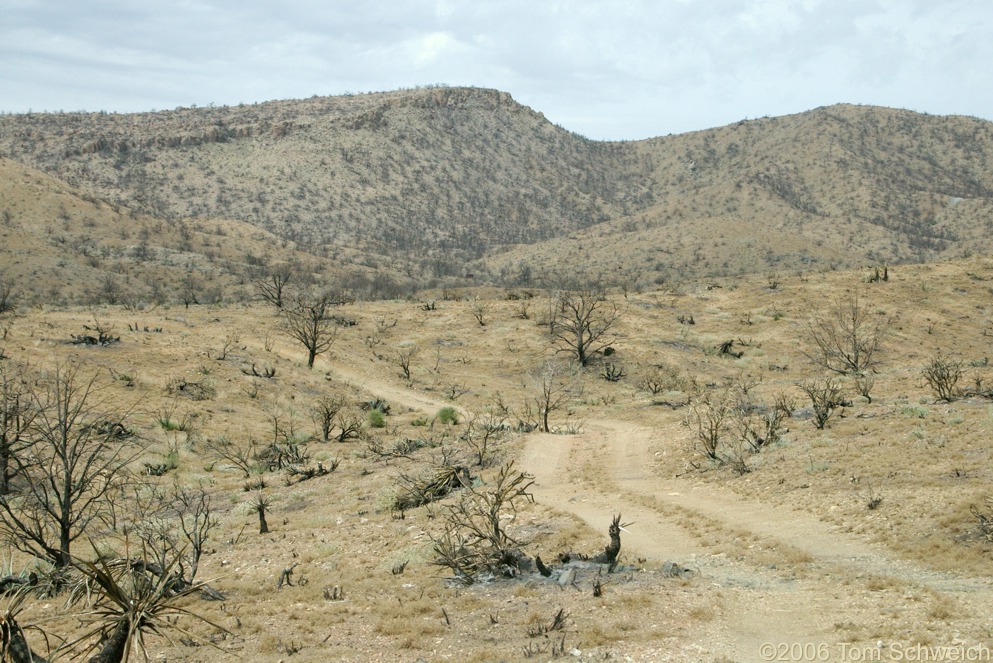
(61, 246)
(443, 175)
(868, 529)
(442, 182)
(834, 187)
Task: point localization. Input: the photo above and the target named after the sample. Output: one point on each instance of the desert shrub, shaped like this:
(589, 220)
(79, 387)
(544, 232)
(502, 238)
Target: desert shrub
(197, 391)
(376, 404)
(864, 382)
(376, 419)
(710, 415)
(412, 491)
(914, 411)
(474, 541)
(8, 296)
(761, 426)
(611, 372)
(825, 397)
(661, 378)
(448, 415)
(942, 375)
(984, 518)
(169, 425)
(400, 448)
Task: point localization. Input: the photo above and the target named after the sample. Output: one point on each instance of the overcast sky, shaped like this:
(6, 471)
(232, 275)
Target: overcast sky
(605, 69)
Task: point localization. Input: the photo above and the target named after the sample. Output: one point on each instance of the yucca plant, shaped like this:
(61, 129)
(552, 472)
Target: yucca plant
(14, 646)
(127, 602)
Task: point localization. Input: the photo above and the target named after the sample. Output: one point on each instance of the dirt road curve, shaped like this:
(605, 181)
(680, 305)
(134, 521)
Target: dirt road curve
(783, 576)
(790, 578)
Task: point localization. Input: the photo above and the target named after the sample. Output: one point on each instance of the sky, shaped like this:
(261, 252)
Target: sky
(606, 69)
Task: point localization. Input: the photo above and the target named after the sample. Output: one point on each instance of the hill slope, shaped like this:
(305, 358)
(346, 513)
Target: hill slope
(61, 246)
(834, 187)
(434, 179)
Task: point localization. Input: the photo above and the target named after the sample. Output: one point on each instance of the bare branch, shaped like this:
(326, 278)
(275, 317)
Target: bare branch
(583, 320)
(846, 338)
(310, 322)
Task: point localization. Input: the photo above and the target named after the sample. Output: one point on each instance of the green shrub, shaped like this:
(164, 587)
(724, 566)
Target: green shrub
(914, 411)
(169, 425)
(448, 415)
(376, 419)
(172, 459)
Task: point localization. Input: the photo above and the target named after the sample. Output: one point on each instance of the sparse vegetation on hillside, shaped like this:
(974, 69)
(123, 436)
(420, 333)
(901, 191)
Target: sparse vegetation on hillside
(235, 433)
(449, 185)
(487, 432)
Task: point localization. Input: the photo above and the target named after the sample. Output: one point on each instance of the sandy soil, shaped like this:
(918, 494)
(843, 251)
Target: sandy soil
(790, 586)
(791, 579)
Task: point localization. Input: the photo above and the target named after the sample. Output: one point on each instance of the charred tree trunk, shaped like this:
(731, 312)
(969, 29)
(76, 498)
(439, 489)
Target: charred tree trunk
(17, 647)
(613, 549)
(263, 525)
(113, 648)
(5, 475)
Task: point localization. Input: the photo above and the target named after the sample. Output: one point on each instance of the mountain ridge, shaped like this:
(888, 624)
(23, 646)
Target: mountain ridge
(440, 182)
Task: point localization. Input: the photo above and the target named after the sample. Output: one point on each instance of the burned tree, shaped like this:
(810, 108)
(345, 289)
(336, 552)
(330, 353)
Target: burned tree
(17, 413)
(474, 540)
(8, 296)
(583, 320)
(553, 388)
(613, 549)
(272, 287)
(260, 503)
(190, 289)
(128, 602)
(192, 510)
(310, 322)
(325, 412)
(77, 458)
(609, 554)
(942, 374)
(846, 338)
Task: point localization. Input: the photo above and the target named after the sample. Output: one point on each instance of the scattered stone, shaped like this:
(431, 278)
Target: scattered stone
(567, 578)
(674, 570)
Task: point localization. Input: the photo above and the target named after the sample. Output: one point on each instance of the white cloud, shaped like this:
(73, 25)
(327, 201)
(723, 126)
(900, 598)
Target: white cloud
(606, 69)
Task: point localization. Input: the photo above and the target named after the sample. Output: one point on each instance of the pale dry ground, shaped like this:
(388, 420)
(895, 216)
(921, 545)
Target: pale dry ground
(786, 553)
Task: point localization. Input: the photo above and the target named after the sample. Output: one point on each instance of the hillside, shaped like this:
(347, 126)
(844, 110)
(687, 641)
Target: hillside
(447, 181)
(835, 187)
(440, 175)
(863, 532)
(61, 246)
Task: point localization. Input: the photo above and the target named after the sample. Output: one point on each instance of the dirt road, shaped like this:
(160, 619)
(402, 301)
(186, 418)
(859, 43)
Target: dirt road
(784, 577)
(790, 578)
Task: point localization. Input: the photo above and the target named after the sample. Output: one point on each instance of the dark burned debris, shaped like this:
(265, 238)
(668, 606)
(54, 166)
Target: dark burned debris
(102, 339)
(444, 479)
(609, 554)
